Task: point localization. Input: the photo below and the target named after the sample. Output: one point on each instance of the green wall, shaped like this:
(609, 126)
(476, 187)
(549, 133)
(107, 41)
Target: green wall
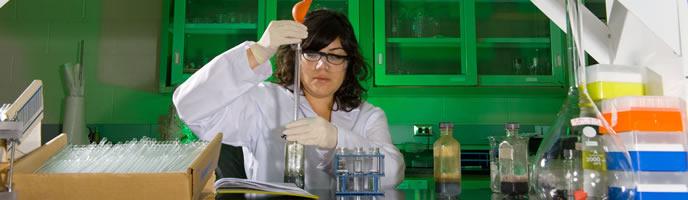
(121, 69)
(120, 58)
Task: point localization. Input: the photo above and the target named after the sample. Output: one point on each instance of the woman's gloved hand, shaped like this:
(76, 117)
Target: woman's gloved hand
(312, 131)
(278, 33)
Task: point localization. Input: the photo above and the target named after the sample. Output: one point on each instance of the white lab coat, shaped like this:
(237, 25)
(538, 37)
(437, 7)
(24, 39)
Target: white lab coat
(227, 96)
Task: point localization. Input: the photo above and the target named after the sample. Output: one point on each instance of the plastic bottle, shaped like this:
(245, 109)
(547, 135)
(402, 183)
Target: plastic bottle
(447, 163)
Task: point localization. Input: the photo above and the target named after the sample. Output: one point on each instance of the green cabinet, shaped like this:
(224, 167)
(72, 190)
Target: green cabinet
(423, 43)
(281, 9)
(517, 45)
(414, 42)
(465, 42)
(195, 31)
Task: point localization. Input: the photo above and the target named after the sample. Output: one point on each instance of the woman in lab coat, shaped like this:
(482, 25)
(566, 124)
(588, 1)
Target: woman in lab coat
(228, 96)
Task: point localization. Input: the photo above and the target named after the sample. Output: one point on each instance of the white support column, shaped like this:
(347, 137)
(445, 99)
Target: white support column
(595, 32)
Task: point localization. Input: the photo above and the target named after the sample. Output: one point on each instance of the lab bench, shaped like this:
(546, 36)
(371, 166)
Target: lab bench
(423, 187)
(415, 187)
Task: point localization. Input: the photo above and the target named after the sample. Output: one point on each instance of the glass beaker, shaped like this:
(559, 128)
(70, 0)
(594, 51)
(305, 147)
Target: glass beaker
(418, 23)
(518, 66)
(533, 68)
(295, 164)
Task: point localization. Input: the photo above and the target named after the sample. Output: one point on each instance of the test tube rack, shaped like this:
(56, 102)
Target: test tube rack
(358, 172)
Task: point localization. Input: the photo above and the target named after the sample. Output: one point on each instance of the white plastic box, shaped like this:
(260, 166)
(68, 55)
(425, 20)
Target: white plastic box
(648, 151)
(648, 185)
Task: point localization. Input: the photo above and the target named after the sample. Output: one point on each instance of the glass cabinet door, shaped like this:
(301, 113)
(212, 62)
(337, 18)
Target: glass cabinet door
(516, 44)
(202, 29)
(284, 7)
(281, 9)
(422, 43)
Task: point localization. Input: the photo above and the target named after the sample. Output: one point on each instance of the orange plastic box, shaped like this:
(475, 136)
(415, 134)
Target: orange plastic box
(645, 113)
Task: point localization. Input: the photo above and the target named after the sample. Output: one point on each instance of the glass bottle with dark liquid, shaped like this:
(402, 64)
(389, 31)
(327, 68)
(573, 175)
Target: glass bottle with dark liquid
(513, 162)
(447, 163)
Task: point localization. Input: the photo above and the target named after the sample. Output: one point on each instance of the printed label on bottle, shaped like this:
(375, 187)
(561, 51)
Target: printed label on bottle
(593, 160)
(585, 121)
(589, 132)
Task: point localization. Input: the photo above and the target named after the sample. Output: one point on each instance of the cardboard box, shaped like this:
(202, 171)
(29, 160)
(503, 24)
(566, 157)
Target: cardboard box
(170, 185)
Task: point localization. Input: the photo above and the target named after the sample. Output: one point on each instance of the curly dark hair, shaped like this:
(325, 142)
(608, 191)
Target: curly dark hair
(324, 26)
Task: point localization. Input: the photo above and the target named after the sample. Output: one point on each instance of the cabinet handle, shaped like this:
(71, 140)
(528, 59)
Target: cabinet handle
(379, 58)
(558, 60)
(176, 58)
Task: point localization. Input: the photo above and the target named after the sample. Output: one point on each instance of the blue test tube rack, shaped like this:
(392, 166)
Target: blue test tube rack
(347, 173)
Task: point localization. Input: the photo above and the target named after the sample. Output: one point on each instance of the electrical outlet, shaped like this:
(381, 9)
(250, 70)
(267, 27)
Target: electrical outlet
(422, 130)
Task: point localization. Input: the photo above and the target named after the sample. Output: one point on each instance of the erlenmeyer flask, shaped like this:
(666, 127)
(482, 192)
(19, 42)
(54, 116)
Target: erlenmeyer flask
(556, 156)
(557, 170)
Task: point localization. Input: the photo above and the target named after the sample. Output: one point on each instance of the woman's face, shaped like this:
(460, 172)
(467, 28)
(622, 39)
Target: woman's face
(322, 72)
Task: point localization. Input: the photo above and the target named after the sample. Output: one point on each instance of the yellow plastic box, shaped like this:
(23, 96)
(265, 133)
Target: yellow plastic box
(611, 81)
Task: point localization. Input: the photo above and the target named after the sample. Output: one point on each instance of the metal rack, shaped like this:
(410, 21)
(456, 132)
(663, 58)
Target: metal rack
(17, 119)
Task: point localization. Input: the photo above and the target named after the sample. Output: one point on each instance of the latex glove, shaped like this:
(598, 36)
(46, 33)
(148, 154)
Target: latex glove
(312, 131)
(277, 34)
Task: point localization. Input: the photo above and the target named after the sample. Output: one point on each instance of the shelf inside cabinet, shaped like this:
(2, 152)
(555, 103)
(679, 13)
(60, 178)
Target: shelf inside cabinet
(430, 41)
(216, 28)
(502, 1)
(536, 42)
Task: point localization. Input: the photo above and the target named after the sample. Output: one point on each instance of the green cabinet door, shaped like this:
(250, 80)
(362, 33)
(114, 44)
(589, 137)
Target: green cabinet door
(423, 43)
(516, 45)
(281, 9)
(195, 31)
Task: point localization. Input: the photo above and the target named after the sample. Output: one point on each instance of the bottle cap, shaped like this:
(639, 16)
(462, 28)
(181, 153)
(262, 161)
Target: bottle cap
(580, 195)
(446, 125)
(511, 126)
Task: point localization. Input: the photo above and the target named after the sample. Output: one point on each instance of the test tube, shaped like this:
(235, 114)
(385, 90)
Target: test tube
(341, 168)
(358, 169)
(375, 160)
(358, 160)
(369, 169)
(341, 161)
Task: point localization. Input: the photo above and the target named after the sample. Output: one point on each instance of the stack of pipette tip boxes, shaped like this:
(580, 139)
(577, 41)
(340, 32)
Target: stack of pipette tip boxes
(358, 171)
(650, 128)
